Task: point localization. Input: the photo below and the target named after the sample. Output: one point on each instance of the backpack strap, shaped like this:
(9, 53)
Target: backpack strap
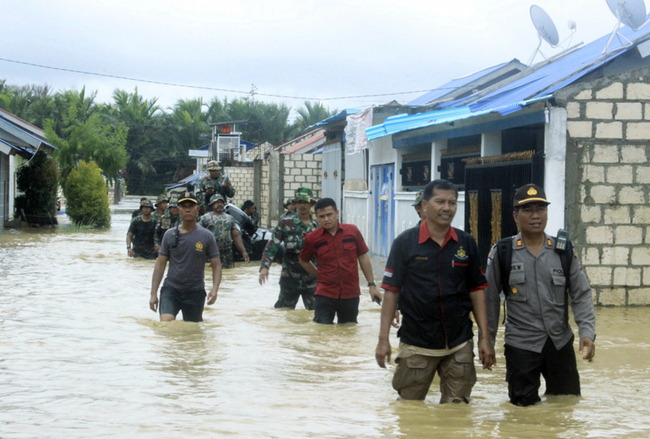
(504, 254)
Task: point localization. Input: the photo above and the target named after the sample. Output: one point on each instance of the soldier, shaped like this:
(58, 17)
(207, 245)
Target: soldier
(212, 184)
(224, 230)
(290, 207)
(141, 233)
(161, 206)
(138, 211)
(250, 209)
(294, 280)
(170, 219)
(418, 203)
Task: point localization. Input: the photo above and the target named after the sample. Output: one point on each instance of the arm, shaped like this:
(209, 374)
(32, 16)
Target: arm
(309, 267)
(236, 238)
(388, 309)
(129, 240)
(216, 279)
(366, 268)
(479, 309)
(270, 251)
(158, 271)
(583, 309)
(493, 294)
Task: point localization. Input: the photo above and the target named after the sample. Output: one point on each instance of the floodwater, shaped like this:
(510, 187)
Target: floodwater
(82, 356)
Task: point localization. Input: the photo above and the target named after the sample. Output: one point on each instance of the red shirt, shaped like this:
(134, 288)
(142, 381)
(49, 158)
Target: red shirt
(336, 256)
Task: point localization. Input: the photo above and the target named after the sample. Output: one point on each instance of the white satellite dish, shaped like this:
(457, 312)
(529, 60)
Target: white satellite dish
(545, 27)
(631, 13)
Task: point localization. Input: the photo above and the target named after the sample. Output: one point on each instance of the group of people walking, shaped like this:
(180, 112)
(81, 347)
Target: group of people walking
(433, 281)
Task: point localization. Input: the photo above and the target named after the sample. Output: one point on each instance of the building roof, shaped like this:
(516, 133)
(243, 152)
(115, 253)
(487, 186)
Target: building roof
(22, 136)
(539, 82)
(304, 142)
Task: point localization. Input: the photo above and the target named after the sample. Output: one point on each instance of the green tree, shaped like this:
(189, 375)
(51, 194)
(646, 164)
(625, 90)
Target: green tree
(311, 114)
(38, 181)
(83, 135)
(86, 196)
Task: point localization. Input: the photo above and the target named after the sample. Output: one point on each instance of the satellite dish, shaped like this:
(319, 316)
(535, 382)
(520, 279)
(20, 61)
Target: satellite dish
(545, 27)
(631, 13)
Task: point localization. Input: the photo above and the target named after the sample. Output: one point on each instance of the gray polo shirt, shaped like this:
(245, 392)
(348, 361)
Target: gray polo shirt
(187, 261)
(536, 308)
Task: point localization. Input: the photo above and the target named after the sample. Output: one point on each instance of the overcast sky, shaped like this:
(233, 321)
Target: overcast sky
(300, 49)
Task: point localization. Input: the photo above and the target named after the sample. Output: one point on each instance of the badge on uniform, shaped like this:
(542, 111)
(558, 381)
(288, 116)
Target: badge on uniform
(199, 246)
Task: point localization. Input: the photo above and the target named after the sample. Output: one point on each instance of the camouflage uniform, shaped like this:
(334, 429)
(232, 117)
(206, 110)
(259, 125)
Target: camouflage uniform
(166, 222)
(221, 227)
(294, 280)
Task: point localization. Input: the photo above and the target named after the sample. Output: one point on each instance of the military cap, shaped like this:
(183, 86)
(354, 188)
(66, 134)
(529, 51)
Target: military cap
(173, 201)
(529, 193)
(213, 165)
(161, 199)
(146, 203)
(289, 201)
(215, 198)
(418, 197)
(188, 196)
(304, 194)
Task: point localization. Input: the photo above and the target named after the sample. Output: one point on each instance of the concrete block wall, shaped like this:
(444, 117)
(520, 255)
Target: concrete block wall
(241, 177)
(608, 127)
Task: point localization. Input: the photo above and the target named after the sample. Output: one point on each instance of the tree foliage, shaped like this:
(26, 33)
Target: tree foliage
(38, 181)
(86, 196)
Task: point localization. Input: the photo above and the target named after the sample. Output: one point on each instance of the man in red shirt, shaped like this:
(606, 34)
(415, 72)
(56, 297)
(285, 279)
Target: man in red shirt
(337, 248)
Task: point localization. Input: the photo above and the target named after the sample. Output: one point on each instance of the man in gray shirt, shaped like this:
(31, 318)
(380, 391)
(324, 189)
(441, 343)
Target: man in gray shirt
(186, 247)
(538, 337)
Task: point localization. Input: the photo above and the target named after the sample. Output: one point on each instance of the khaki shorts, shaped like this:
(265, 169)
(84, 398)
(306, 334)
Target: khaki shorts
(415, 373)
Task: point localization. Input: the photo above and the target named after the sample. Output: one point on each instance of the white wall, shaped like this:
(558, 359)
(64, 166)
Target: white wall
(555, 167)
(356, 210)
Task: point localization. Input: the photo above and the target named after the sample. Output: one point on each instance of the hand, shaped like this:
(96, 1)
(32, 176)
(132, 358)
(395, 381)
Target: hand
(382, 353)
(486, 353)
(209, 190)
(212, 296)
(153, 302)
(264, 275)
(131, 252)
(395, 323)
(374, 292)
(586, 342)
(157, 247)
(227, 183)
(247, 259)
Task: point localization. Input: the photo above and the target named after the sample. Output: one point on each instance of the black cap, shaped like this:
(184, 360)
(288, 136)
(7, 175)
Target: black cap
(188, 196)
(529, 193)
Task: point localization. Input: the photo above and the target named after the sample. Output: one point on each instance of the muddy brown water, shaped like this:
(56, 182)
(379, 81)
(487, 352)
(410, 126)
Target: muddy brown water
(82, 356)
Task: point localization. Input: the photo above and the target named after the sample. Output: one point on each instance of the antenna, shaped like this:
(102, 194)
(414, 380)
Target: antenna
(546, 29)
(631, 13)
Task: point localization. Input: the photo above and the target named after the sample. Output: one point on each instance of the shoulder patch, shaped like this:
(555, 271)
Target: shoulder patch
(520, 243)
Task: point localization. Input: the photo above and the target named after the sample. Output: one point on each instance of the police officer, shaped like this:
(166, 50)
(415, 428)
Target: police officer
(169, 219)
(291, 229)
(141, 233)
(224, 229)
(538, 337)
(212, 184)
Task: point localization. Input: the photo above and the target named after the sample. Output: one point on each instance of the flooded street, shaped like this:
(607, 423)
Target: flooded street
(81, 356)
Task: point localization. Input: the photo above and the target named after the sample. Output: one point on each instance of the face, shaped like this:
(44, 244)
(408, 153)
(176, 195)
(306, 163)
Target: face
(440, 209)
(303, 207)
(214, 173)
(188, 210)
(218, 207)
(163, 205)
(250, 210)
(291, 207)
(173, 210)
(328, 217)
(146, 210)
(531, 218)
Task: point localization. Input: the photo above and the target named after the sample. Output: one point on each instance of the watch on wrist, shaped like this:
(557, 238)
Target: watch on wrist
(372, 284)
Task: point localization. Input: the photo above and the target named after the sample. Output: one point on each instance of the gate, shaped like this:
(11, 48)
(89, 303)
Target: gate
(489, 191)
(382, 177)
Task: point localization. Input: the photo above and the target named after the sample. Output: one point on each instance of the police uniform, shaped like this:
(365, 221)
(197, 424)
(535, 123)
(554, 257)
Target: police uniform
(538, 336)
(294, 280)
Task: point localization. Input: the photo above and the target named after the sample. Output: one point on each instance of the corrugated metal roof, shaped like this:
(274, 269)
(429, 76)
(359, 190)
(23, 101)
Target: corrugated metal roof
(534, 84)
(339, 117)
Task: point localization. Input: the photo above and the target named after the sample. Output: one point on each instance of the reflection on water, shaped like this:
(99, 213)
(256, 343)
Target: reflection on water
(81, 355)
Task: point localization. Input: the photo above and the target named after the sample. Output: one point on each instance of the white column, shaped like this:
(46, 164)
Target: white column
(555, 168)
(491, 143)
(436, 154)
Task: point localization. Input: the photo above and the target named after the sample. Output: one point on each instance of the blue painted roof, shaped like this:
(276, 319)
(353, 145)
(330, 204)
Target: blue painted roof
(534, 84)
(453, 85)
(339, 117)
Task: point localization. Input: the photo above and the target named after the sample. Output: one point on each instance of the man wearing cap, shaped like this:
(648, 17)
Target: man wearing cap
(138, 211)
(212, 184)
(538, 337)
(161, 205)
(141, 234)
(186, 247)
(224, 229)
(434, 272)
(170, 219)
(289, 207)
(295, 282)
